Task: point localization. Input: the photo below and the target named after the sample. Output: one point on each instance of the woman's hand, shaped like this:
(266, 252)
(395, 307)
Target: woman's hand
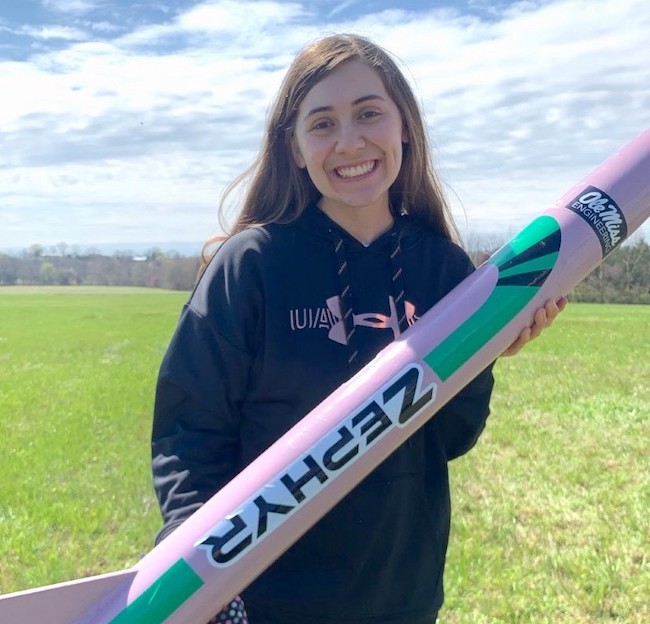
(543, 318)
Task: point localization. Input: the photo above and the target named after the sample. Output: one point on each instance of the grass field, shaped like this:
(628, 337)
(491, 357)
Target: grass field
(551, 510)
(77, 375)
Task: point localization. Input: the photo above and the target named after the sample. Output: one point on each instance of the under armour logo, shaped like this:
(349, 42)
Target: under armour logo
(375, 320)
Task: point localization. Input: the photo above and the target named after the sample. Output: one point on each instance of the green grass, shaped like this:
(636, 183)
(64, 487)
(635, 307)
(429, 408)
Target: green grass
(551, 508)
(77, 375)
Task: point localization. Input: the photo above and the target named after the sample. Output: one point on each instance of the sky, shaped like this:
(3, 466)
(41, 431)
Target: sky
(121, 122)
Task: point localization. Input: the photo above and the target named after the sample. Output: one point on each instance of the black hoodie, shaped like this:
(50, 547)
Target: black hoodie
(259, 344)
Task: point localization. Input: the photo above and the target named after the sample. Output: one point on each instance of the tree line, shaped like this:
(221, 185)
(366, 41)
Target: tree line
(153, 269)
(624, 277)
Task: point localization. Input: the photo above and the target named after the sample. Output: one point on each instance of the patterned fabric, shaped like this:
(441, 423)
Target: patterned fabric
(347, 314)
(397, 289)
(397, 280)
(233, 613)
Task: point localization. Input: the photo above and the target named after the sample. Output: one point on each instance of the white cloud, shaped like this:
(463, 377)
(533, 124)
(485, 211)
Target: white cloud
(239, 18)
(519, 107)
(74, 7)
(341, 7)
(56, 32)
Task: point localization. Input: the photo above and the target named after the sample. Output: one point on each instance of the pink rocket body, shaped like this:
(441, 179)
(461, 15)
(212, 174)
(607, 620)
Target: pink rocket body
(233, 537)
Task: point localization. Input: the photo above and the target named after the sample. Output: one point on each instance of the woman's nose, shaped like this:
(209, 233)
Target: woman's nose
(349, 139)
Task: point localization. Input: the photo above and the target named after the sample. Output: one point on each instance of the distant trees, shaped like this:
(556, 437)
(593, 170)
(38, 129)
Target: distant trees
(624, 277)
(64, 266)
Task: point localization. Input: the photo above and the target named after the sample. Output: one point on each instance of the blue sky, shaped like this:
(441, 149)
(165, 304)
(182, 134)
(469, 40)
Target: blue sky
(122, 122)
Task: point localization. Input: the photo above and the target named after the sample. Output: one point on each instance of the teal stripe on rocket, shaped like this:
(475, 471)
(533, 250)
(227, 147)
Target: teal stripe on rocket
(164, 596)
(524, 264)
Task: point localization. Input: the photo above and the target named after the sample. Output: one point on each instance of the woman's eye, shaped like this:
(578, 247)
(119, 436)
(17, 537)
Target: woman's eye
(370, 114)
(322, 124)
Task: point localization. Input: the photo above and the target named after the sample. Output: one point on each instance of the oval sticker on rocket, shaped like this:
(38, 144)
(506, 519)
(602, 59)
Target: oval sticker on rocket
(606, 219)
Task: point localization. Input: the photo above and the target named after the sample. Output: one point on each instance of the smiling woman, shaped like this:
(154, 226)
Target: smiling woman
(343, 223)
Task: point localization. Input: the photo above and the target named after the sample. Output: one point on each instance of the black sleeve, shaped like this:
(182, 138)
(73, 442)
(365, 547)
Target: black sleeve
(201, 386)
(461, 421)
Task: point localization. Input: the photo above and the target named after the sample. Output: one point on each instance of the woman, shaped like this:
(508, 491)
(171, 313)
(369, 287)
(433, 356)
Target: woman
(343, 240)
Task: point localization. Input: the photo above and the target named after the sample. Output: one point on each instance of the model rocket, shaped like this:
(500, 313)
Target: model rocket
(251, 521)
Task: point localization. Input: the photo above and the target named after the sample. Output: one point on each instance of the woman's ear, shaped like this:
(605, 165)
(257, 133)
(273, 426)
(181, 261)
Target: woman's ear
(297, 155)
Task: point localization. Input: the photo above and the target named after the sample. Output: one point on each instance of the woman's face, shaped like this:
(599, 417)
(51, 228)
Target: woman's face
(348, 135)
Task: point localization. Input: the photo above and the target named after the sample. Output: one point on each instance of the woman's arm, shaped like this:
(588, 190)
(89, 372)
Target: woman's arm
(195, 436)
(203, 382)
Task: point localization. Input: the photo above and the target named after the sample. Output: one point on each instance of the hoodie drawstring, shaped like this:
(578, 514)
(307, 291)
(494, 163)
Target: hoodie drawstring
(347, 313)
(397, 280)
(347, 310)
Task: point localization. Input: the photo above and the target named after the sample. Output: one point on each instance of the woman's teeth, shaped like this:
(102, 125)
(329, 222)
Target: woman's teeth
(357, 170)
